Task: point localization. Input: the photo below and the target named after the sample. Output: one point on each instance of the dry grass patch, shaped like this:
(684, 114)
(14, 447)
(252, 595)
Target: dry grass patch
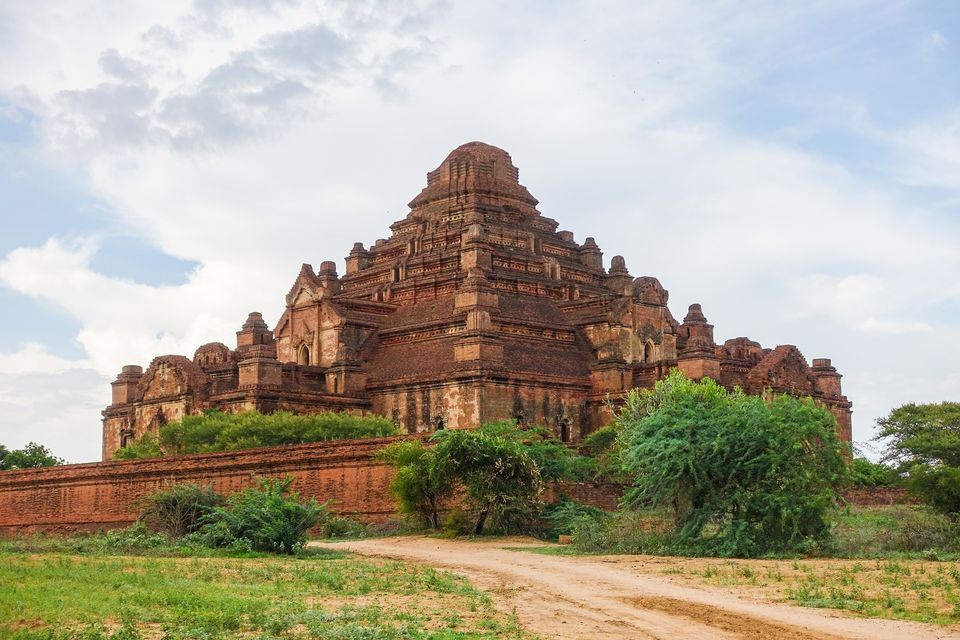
(924, 591)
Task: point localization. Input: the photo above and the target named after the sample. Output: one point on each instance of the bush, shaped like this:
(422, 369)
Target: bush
(743, 475)
(269, 516)
(937, 486)
(179, 509)
(217, 431)
(554, 459)
(495, 470)
(872, 474)
(419, 485)
(499, 479)
(564, 516)
(877, 531)
(340, 527)
(647, 531)
(456, 523)
(601, 446)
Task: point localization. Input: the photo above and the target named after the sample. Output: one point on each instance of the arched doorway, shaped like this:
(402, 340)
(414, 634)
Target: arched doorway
(303, 355)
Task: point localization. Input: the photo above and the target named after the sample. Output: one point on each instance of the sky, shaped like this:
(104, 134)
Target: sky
(165, 168)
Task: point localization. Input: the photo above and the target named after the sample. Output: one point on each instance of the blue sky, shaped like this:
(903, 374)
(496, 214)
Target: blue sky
(166, 167)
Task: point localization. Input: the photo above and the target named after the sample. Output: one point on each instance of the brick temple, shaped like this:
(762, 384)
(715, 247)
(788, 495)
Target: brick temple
(475, 309)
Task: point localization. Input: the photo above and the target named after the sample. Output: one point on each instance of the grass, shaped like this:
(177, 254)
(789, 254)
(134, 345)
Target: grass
(52, 595)
(895, 589)
(900, 562)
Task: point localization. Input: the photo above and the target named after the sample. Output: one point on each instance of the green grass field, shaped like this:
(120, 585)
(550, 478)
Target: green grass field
(318, 595)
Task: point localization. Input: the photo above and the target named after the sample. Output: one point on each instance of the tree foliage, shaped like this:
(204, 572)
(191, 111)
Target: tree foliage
(217, 431)
(924, 439)
(867, 473)
(490, 469)
(555, 460)
(31, 455)
(500, 480)
(923, 433)
(743, 475)
(420, 486)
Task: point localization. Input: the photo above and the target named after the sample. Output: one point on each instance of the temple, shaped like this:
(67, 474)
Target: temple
(475, 309)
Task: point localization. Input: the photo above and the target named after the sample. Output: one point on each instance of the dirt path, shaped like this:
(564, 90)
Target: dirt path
(601, 598)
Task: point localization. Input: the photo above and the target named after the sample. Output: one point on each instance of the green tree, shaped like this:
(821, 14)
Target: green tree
(924, 439)
(501, 481)
(555, 460)
(31, 455)
(743, 475)
(922, 433)
(420, 486)
(867, 473)
(489, 470)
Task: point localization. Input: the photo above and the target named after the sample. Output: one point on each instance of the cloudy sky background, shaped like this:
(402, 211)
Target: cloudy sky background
(166, 167)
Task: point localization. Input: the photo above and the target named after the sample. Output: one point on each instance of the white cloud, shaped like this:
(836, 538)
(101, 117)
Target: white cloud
(34, 358)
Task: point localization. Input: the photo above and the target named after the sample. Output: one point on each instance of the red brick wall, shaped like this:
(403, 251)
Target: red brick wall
(878, 496)
(87, 497)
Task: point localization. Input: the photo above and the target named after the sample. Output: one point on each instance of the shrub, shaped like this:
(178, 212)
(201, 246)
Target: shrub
(869, 531)
(496, 470)
(269, 516)
(179, 509)
(564, 516)
(456, 523)
(340, 527)
(743, 475)
(938, 486)
(625, 531)
(554, 459)
(872, 474)
(217, 431)
(601, 446)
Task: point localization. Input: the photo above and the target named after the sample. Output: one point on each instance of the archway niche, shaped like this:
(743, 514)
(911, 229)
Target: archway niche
(303, 355)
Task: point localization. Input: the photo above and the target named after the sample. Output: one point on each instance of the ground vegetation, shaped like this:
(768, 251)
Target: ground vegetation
(217, 431)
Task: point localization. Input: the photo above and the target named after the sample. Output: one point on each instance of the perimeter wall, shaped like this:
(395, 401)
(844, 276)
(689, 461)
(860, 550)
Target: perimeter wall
(104, 495)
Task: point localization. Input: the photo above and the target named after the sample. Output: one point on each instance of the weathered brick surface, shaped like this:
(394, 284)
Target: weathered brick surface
(878, 497)
(87, 497)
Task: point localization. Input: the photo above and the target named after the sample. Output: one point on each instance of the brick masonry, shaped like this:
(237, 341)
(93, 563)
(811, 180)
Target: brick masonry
(103, 495)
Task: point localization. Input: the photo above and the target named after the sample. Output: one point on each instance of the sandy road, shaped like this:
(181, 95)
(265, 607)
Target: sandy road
(601, 598)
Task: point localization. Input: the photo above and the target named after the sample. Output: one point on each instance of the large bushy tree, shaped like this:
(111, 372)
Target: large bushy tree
(743, 475)
(924, 439)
